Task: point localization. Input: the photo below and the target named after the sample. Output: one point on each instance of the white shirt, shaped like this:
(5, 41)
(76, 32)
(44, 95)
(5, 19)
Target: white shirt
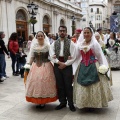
(51, 40)
(107, 36)
(72, 52)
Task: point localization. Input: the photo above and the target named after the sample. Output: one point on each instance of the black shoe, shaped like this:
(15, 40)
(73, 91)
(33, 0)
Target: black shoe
(1, 80)
(15, 74)
(40, 106)
(60, 106)
(22, 76)
(72, 108)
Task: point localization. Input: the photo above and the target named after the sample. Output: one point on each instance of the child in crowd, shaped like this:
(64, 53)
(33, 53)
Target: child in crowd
(21, 56)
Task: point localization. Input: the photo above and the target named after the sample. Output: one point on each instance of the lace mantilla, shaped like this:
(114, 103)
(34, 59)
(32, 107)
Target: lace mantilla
(37, 48)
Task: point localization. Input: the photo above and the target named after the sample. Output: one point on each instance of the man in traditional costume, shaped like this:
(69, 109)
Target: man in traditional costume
(63, 54)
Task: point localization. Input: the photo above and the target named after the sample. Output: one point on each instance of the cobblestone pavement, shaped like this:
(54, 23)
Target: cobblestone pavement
(14, 107)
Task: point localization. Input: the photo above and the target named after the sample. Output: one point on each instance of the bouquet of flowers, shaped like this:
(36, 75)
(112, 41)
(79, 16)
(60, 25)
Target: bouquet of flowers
(103, 70)
(27, 67)
(117, 44)
(106, 52)
(26, 71)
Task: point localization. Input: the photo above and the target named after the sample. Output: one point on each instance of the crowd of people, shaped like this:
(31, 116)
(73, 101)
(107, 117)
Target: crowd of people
(65, 68)
(57, 61)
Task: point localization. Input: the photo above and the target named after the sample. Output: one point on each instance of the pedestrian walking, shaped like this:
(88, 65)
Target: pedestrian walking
(13, 47)
(114, 47)
(3, 50)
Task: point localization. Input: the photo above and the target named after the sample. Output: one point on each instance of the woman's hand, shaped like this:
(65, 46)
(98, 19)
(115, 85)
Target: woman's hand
(54, 56)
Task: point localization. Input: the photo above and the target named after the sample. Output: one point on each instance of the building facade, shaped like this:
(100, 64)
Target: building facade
(97, 14)
(113, 5)
(51, 14)
(94, 13)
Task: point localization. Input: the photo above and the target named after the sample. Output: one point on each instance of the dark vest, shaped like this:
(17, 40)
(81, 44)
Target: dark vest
(66, 51)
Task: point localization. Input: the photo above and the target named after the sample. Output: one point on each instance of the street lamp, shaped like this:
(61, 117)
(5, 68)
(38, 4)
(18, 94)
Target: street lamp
(33, 10)
(73, 18)
(91, 26)
(73, 24)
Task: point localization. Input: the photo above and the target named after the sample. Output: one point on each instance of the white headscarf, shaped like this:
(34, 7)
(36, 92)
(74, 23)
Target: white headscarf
(100, 41)
(81, 38)
(33, 43)
(95, 46)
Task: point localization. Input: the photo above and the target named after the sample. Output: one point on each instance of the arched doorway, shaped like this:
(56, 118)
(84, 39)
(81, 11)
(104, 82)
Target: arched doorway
(21, 24)
(62, 22)
(46, 24)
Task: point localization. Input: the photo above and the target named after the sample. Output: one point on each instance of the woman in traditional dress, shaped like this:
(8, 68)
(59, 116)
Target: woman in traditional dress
(40, 83)
(114, 48)
(91, 89)
(98, 38)
(105, 51)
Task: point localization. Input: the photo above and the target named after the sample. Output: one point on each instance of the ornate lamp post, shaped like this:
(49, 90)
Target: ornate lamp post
(32, 9)
(73, 24)
(91, 25)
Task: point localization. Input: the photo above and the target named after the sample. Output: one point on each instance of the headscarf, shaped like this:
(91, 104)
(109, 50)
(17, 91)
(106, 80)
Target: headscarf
(100, 40)
(33, 44)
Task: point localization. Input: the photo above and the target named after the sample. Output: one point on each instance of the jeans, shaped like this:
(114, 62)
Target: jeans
(2, 65)
(15, 62)
(21, 65)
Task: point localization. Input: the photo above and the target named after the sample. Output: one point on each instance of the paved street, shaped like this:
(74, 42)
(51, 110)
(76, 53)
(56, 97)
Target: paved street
(14, 107)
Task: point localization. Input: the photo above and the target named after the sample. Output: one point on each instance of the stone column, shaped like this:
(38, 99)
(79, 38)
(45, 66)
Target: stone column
(52, 21)
(55, 13)
(3, 19)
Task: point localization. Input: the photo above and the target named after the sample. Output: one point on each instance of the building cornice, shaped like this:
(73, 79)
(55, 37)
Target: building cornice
(117, 3)
(97, 4)
(65, 6)
(7, 1)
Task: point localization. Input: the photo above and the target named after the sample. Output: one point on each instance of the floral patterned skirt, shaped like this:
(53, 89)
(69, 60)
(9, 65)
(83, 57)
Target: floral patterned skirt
(96, 95)
(41, 84)
(114, 59)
